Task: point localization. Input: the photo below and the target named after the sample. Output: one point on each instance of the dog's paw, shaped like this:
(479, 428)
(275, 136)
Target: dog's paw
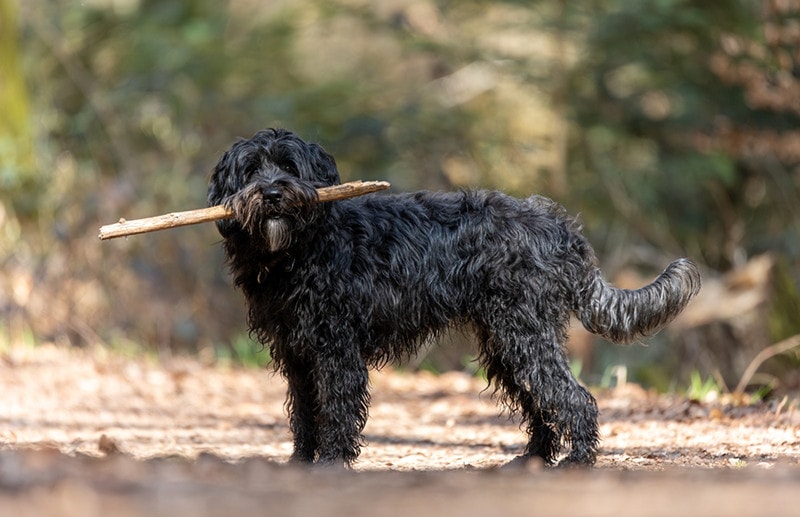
(525, 463)
(332, 465)
(577, 461)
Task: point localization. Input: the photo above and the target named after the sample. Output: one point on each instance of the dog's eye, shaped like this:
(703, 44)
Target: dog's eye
(288, 167)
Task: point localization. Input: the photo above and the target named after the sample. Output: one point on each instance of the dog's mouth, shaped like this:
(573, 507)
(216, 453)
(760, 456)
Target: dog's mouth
(263, 218)
(271, 212)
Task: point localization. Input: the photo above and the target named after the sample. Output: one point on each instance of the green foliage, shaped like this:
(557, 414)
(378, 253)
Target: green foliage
(702, 390)
(426, 365)
(656, 113)
(576, 367)
(760, 394)
(243, 351)
(15, 338)
(17, 158)
(785, 300)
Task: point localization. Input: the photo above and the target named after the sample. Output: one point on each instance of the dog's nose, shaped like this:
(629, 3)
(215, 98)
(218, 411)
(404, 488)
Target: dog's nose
(272, 194)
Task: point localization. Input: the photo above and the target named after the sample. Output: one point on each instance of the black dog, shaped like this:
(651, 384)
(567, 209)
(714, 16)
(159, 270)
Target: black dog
(335, 288)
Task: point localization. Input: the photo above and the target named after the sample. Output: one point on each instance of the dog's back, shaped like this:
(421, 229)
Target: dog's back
(430, 259)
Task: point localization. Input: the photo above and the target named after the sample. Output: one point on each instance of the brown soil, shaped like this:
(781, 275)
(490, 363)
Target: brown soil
(95, 434)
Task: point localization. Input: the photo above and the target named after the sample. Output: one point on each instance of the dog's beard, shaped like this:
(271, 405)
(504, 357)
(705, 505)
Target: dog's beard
(272, 229)
(270, 222)
(276, 234)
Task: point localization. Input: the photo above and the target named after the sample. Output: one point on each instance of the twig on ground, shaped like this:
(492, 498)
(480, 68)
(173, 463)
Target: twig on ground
(771, 351)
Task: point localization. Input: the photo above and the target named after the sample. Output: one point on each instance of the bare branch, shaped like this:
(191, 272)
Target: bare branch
(214, 213)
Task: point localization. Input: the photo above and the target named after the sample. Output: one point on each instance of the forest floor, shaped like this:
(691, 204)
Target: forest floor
(91, 433)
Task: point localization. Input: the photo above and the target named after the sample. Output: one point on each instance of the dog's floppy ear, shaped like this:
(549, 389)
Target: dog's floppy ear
(324, 166)
(227, 179)
(228, 176)
(312, 162)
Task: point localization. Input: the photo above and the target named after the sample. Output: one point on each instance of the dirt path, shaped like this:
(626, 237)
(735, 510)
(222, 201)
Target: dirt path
(75, 408)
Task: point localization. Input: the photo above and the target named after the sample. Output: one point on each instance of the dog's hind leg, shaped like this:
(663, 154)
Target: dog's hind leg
(507, 364)
(543, 442)
(578, 416)
(530, 370)
(567, 407)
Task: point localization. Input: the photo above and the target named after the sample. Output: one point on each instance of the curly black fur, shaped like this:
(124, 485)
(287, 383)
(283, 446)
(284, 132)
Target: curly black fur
(335, 288)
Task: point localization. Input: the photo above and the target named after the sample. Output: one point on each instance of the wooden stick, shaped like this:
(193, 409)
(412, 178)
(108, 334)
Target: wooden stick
(214, 213)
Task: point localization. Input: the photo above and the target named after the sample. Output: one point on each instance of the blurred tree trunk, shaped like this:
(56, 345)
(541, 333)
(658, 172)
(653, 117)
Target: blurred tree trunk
(16, 141)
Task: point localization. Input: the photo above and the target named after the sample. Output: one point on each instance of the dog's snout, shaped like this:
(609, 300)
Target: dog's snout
(272, 194)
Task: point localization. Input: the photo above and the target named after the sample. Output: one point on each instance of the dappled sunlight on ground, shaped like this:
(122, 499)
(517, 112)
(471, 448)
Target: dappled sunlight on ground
(108, 433)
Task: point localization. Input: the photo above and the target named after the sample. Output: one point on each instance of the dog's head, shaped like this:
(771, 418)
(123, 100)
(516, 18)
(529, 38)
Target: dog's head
(270, 182)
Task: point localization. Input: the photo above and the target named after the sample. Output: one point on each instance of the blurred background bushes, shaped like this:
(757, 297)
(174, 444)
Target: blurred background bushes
(672, 126)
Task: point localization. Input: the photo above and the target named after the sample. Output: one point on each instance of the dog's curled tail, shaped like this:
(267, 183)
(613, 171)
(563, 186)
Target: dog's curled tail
(623, 315)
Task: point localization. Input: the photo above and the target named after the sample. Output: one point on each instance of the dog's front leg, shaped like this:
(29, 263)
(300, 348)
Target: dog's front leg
(342, 390)
(301, 401)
